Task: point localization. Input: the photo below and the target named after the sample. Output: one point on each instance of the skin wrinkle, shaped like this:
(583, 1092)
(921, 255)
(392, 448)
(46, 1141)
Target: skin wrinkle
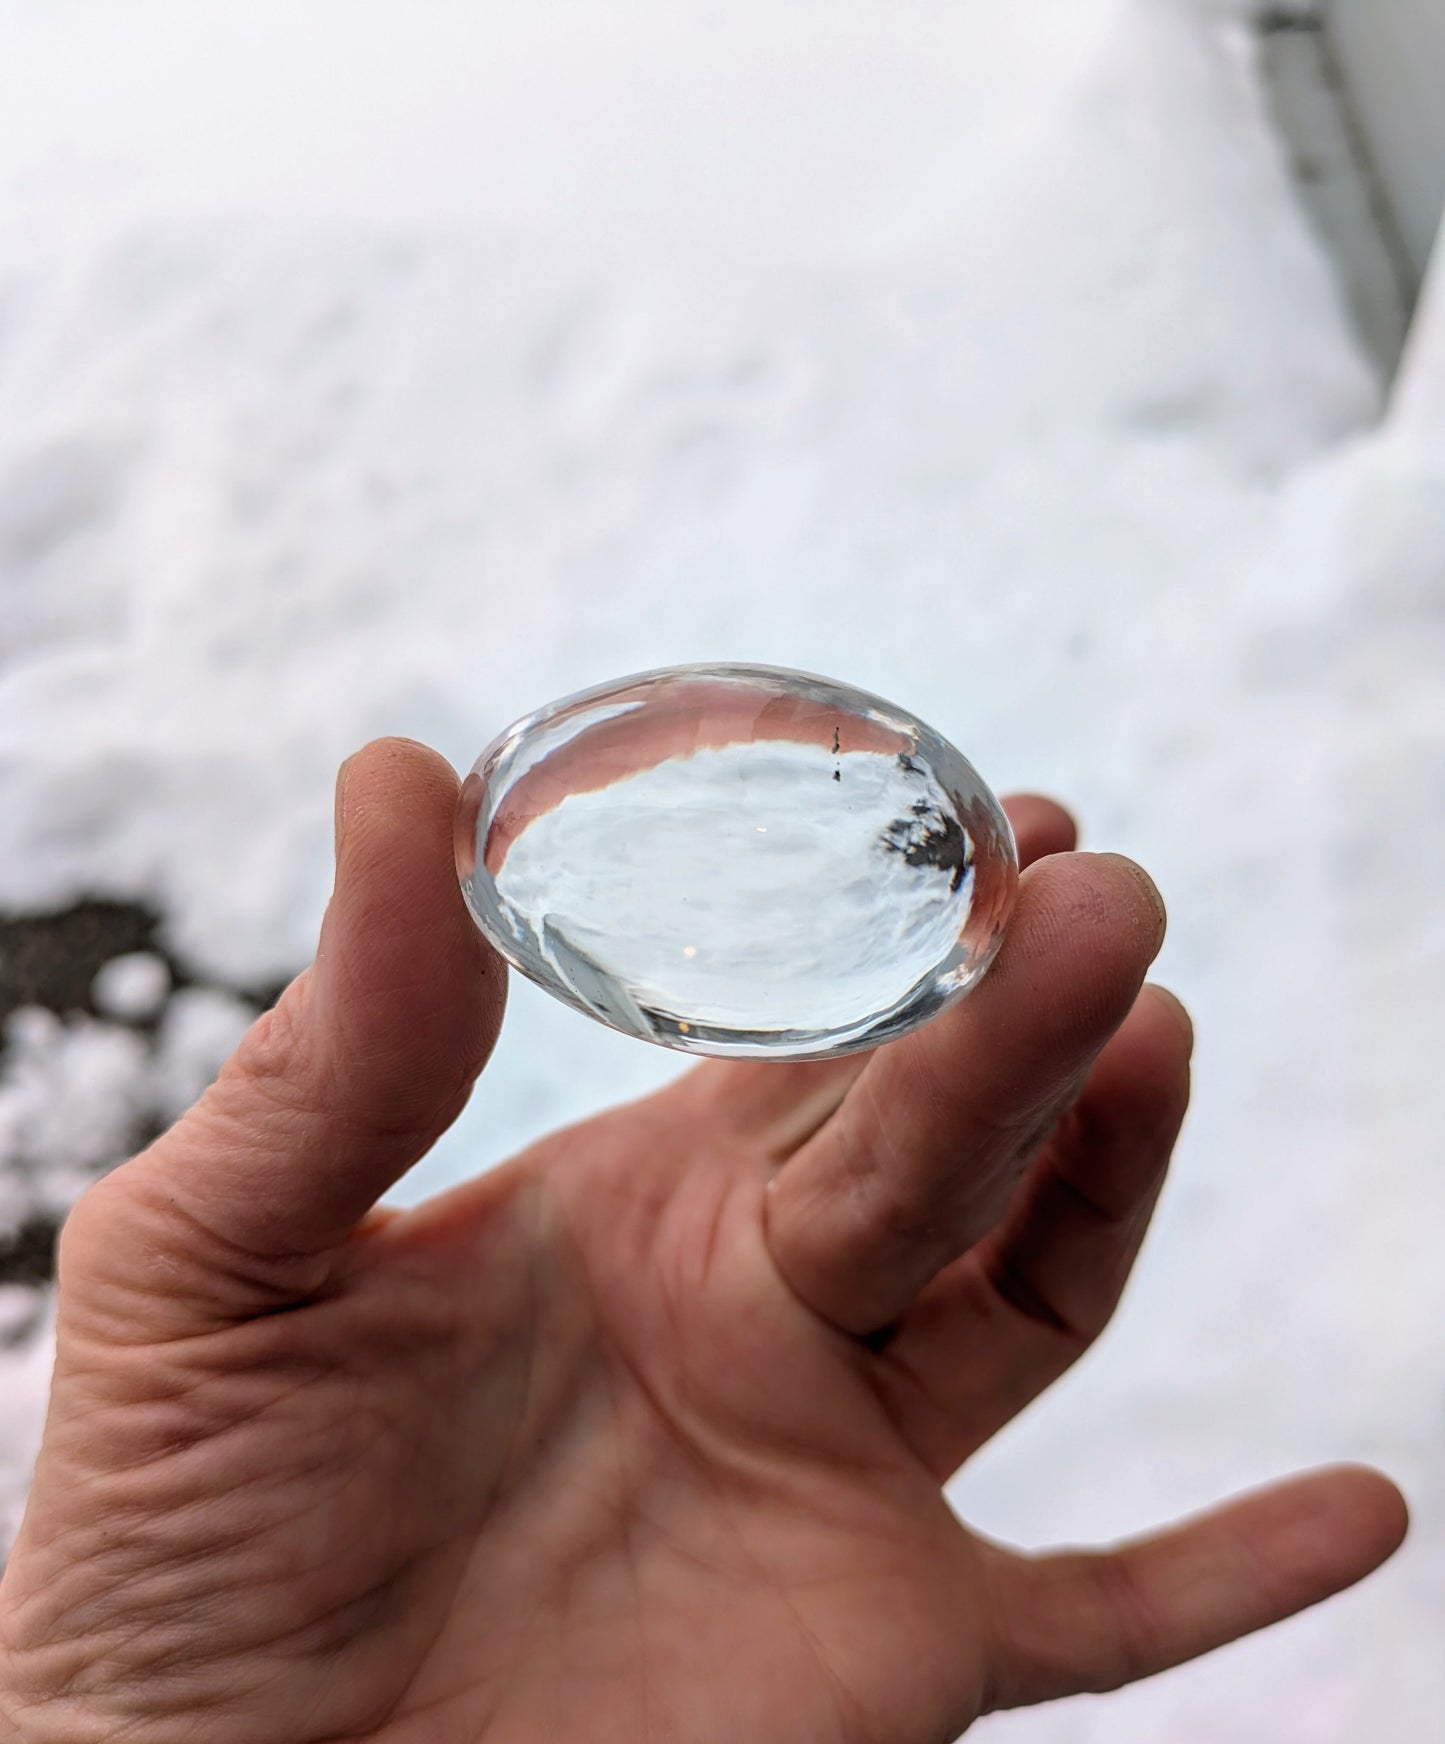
(113, 1664)
(845, 1700)
(240, 1263)
(122, 1510)
(1132, 1613)
(303, 1097)
(163, 1654)
(1152, 1138)
(789, 1136)
(277, 1063)
(1088, 1327)
(266, 1345)
(1109, 1217)
(522, 1418)
(893, 1367)
(1011, 1286)
(714, 1226)
(884, 1194)
(151, 1606)
(413, 1140)
(202, 1438)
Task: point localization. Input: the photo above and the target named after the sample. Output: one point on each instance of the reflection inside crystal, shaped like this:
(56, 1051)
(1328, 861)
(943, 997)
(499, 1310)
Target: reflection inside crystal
(737, 860)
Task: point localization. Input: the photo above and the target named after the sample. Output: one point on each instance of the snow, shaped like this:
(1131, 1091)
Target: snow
(68, 1090)
(374, 367)
(133, 986)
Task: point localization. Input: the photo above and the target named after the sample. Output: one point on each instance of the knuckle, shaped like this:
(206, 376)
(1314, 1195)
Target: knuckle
(1135, 1646)
(273, 1059)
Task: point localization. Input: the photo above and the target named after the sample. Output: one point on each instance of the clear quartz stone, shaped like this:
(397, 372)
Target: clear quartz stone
(737, 860)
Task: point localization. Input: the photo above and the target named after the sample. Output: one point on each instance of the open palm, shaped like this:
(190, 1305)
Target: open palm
(642, 1436)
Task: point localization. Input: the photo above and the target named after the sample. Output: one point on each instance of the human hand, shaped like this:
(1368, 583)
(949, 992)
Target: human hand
(640, 1436)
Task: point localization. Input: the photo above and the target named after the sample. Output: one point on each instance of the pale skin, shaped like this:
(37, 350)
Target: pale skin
(640, 1438)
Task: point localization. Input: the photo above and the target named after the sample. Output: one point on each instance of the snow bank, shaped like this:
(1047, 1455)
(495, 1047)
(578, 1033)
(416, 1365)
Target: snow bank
(375, 368)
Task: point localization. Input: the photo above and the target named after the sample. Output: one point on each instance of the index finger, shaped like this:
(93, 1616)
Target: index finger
(931, 1139)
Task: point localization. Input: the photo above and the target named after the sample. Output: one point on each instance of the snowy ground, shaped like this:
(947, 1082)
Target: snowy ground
(372, 366)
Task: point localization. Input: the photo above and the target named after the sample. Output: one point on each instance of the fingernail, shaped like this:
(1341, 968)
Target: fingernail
(338, 819)
(1186, 1022)
(1147, 888)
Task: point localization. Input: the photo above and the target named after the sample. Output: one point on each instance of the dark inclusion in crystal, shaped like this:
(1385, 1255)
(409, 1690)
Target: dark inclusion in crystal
(929, 838)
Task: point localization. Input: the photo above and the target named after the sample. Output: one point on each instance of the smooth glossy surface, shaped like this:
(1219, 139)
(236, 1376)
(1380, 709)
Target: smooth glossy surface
(738, 860)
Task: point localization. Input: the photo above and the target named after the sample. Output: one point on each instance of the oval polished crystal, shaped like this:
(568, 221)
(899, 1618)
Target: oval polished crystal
(737, 860)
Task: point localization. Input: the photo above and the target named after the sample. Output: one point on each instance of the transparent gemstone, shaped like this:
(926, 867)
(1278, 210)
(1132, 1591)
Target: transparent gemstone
(737, 860)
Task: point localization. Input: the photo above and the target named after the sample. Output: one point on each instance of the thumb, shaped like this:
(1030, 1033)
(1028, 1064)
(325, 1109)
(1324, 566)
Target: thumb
(368, 1056)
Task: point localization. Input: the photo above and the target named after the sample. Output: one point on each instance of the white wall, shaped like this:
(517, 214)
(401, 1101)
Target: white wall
(1392, 55)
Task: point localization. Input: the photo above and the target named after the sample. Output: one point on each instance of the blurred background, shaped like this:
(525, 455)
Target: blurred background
(1070, 372)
